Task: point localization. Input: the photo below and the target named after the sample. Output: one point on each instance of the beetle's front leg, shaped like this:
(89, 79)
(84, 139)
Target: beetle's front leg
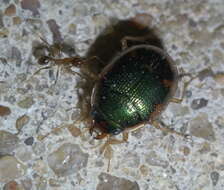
(107, 149)
(112, 141)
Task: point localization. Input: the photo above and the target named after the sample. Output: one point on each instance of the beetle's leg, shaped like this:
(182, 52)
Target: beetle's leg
(96, 58)
(134, 128)
(158, 125)
(90, 74)
(57, 74)
(43, 68)
(36, 72)
(54, 49)
(186, 84)
(106, 148)
(108, 154)
(140, 39)
(101, 136)
(69, 70)
(108, 151)
(112, 141)
(70, 62)
(55, 130)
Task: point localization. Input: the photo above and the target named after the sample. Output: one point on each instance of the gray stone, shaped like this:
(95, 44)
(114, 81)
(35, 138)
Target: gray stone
(1, 20)
(201, 127)
(32, 5)
(214, 177)
(16, 55)
(10, 168)
(21, 122)
(154, 160)
(205, 73)
(40, 182)
(29, 141)
(10, 99)
(220, 122)
(109, 182)
(131, 159)
(26, 183)
(54, 28)
(199, 103)
(67, 159)
(8, 142)
(24, 154)
(26, 102)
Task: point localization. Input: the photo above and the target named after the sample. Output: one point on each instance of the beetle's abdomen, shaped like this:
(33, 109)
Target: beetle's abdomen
(129, 92)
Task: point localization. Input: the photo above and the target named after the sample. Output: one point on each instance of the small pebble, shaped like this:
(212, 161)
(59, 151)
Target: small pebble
(109, 182)
(26, 102)
(144, 170)
(75, 131)
(10, 169)
(205, 148)
(154, 160)
(219, 78)
(214, 177)
(201, 127)
(67, 159)
(16, 20)
(4, 111)
(186, 150)
(26, 183)
(21, 122)
(32, 5)
(12, 185)
(199, 103)
(10, 10)
(8, 142)
(29, 141)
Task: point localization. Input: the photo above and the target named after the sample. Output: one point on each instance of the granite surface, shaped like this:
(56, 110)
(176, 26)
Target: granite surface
(42, 146)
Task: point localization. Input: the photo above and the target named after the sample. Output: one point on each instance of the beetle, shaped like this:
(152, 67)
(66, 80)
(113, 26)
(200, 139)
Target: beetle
(131, 91)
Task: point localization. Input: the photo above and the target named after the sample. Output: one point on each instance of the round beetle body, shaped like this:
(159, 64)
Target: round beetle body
(133, 89)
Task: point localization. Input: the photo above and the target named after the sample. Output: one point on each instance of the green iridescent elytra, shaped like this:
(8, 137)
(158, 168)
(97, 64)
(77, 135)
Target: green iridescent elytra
(133, 89)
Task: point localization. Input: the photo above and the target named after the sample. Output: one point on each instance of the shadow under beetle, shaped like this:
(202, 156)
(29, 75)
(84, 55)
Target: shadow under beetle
(131, 91)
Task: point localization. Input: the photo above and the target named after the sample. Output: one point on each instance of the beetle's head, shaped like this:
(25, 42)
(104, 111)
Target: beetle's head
(101, 129)
(98, 130)
(102, 126)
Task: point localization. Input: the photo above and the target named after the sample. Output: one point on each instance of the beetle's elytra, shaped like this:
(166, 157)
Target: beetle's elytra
(133, 89)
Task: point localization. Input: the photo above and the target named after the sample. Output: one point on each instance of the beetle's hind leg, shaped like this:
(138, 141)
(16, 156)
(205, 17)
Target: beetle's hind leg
(186, 84)
(166, 129)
